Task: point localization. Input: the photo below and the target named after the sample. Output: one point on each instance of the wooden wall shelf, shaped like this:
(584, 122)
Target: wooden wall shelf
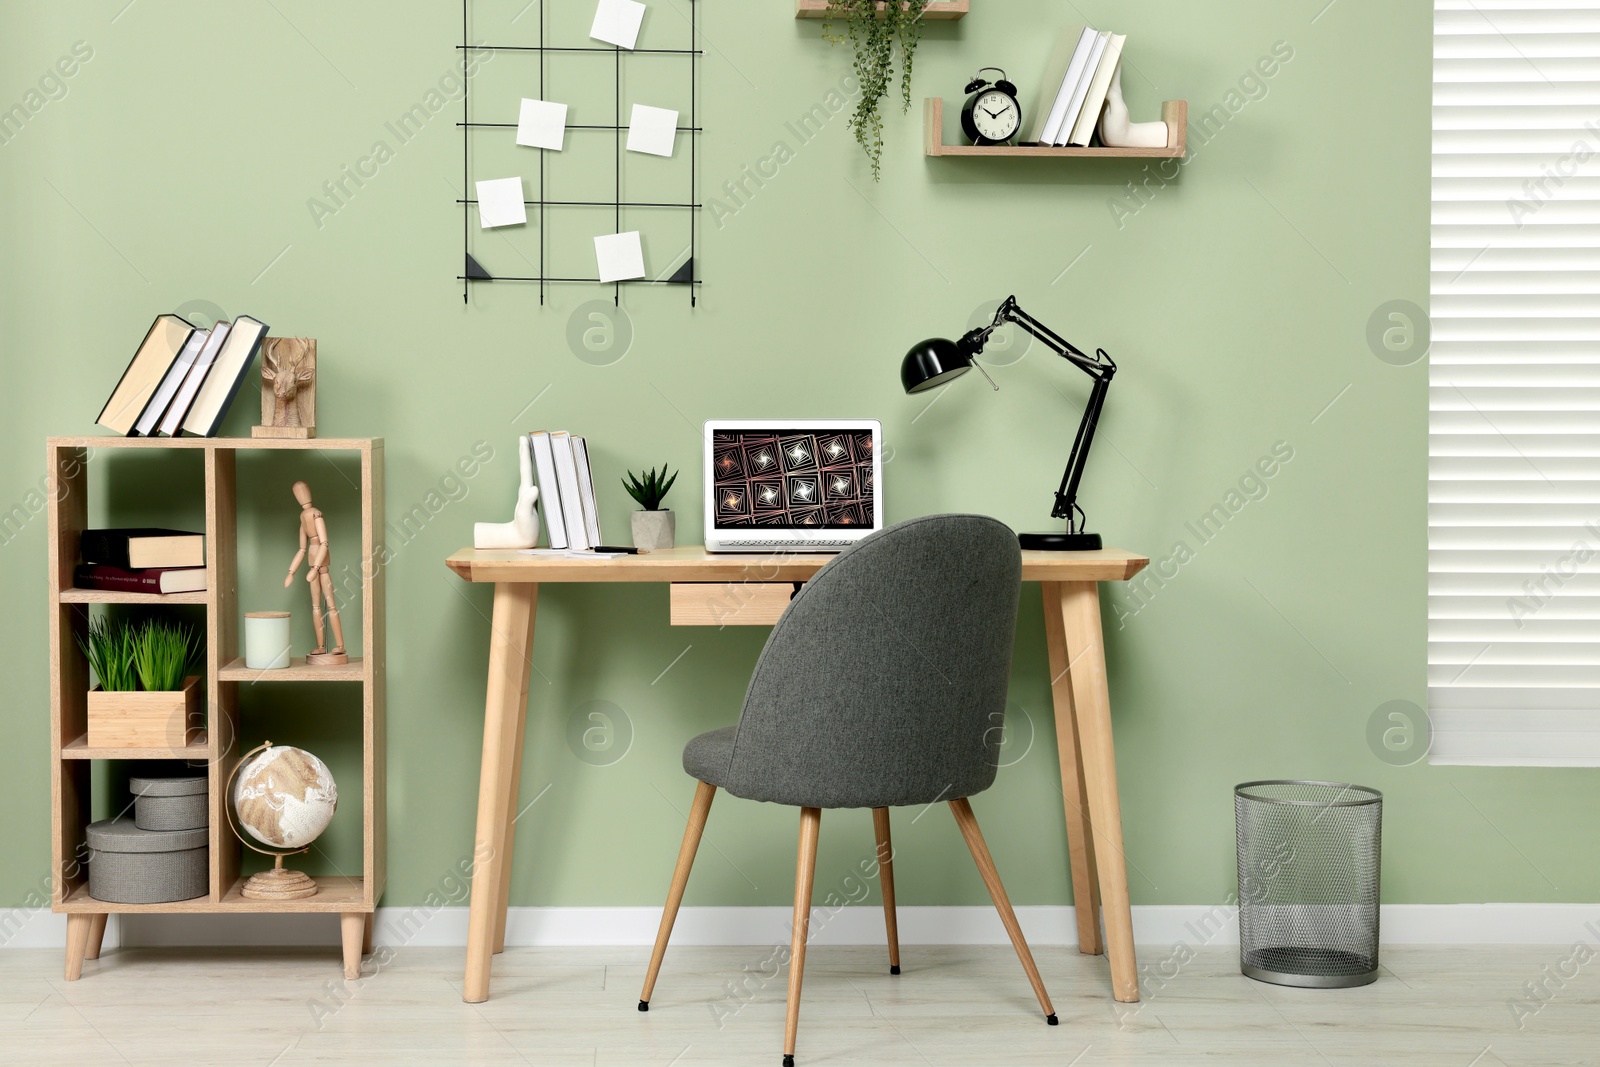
(937, 10)
(353, 898)
(1175, 113)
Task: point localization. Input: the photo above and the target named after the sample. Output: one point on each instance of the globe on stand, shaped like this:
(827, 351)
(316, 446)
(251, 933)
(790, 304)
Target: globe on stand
(283, 797)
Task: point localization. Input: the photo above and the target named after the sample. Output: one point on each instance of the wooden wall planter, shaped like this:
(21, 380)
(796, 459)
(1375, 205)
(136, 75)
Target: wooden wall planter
(143, 719)
(937, 10)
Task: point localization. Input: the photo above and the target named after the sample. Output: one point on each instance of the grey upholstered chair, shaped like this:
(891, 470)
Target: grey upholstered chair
(881, 686)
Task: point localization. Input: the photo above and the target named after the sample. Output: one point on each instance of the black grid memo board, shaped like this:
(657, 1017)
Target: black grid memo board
(472, 271)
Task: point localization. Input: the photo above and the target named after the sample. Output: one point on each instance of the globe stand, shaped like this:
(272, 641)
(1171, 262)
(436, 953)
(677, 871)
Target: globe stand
(279, 883)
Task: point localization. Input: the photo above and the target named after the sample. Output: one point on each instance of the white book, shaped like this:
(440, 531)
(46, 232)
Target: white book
(1075, 108)
(591, 510)
(544, 467)
(225, 377)
(571, 501)
(151, 416)
(1099, 86)
(1055, 72)
(172, 418)
(1058, 111)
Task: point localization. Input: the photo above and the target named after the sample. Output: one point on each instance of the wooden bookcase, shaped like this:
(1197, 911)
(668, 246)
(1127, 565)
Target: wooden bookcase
(353, 899)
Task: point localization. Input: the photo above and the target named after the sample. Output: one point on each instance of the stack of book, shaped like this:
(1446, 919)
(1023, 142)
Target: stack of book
(182, 378)
(1076, 81)
(566, 490)
(141, 560)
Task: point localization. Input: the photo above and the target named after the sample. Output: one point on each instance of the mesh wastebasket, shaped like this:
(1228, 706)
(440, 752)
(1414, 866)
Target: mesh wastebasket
(1308, 882)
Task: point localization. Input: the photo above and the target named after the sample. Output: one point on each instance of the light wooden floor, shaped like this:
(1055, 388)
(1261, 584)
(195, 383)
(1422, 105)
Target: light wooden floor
(968, 1006)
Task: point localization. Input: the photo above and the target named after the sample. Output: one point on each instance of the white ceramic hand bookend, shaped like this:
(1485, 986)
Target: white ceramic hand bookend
(523, 529)
(1115, 129)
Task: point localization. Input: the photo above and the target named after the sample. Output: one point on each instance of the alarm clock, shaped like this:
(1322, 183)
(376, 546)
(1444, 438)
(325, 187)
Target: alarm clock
(992, 114)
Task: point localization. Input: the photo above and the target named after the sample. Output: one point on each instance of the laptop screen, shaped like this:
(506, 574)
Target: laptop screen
(798, 479)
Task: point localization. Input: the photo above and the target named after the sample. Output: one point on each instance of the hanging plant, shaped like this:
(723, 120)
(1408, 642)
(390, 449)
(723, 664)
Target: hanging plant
(876, 34)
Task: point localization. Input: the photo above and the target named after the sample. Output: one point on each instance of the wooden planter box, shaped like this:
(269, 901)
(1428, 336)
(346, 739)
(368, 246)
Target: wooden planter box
(145, 720)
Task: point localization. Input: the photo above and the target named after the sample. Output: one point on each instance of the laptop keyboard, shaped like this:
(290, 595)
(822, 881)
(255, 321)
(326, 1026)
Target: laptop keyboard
(767, 543)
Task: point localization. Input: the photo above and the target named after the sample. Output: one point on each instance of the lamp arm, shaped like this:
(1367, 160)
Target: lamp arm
(1096, 366)
(1066, 506)
(1099, 366)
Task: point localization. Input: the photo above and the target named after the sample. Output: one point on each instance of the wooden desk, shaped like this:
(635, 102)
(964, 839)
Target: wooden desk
(752, 590)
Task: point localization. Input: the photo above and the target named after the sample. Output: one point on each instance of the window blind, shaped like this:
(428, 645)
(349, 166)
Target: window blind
(1514, 384)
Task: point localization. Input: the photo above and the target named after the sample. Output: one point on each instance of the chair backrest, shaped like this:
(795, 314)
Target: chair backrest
(884, 683)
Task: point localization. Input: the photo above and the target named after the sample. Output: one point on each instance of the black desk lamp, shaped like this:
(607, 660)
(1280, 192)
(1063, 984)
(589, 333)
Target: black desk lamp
(937, 360)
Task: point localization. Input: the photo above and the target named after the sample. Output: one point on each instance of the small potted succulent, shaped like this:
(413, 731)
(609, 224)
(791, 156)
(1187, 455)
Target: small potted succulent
(146, 697)
(654, 527)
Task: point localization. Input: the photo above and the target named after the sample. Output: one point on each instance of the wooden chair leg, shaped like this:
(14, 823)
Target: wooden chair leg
(805, 871)
(703, 795)
(1002, 904)
(77, 944)
(880, 826)
(97, 933)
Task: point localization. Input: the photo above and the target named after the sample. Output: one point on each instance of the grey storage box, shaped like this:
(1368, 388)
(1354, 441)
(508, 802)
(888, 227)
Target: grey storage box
(169, 803)
(128, 865)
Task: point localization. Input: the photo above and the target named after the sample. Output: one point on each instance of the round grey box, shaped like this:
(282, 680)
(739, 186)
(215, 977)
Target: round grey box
(1309, 858)
(169, 803)
(128, 865)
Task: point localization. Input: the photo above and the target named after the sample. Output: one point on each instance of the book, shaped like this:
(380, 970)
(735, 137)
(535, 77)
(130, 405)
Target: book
(567, 479)
(1055, 72)
(222, 381)
(138, 547)
(172, 421)
(169, 385)
(148, 580)
(544, 467)
(1069, 82)
(1075, 106)
(591, 510)
(154, 357)
(1094, 101)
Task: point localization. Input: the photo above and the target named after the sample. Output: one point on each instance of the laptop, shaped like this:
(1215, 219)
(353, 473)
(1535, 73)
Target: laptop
(794, 485)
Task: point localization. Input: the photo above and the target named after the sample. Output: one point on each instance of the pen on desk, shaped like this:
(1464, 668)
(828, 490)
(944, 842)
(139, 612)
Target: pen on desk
(617, 548)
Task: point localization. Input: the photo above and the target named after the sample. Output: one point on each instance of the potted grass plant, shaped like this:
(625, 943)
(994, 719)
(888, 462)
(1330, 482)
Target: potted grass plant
(145, 698)
(654, 527)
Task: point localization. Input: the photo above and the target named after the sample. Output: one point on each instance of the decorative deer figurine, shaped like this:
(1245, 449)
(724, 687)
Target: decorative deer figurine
(288, 387)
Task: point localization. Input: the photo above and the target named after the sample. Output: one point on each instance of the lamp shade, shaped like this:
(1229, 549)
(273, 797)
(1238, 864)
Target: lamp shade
(931, 363)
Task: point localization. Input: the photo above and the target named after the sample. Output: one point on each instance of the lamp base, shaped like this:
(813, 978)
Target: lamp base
(1059, 542)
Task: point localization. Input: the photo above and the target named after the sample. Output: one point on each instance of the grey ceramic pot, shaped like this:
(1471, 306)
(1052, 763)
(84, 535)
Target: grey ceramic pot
(654, 529)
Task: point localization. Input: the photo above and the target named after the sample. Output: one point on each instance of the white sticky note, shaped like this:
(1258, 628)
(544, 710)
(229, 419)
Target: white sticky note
(500, 203)
(617, 22)
(653, 130)
(620, 256)
(542, 124)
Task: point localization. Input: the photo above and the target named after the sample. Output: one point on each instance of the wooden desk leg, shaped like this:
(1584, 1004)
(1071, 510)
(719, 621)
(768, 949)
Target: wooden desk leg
(1080, 842)
(507, 849)
(1091, 702)
(505, 707)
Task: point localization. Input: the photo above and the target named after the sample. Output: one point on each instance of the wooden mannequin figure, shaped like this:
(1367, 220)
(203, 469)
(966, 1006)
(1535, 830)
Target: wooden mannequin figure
(314, 551)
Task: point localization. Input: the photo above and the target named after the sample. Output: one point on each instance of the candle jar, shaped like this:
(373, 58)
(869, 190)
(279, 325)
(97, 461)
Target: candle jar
(266, 640)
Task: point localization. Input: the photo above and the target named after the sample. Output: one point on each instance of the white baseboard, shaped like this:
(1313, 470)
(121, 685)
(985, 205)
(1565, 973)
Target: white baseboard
(1156, 925)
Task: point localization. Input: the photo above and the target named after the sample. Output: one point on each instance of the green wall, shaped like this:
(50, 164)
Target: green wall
(184, 162)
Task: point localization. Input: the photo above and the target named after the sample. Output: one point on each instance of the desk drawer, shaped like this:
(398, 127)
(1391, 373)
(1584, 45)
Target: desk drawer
(730, 603)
